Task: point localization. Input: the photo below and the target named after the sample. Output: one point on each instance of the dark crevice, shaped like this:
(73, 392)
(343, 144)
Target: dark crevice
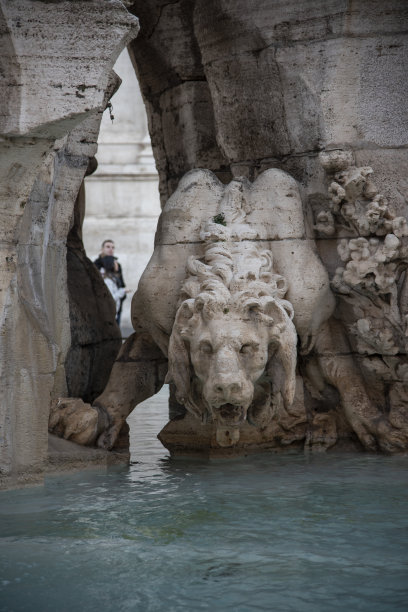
(161, 9)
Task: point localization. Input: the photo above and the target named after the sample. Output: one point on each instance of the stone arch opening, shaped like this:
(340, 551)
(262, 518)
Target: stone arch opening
(118, 200)
(122, 197)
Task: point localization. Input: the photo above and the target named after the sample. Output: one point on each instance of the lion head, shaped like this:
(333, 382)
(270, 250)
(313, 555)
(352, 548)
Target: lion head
(233, 344)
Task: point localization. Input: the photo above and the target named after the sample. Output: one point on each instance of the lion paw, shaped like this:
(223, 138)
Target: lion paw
(390, 439)
(108, 438)
(72, 419)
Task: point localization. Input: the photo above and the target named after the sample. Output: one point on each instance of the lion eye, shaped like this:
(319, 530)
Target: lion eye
(206, 347)
(248, 348)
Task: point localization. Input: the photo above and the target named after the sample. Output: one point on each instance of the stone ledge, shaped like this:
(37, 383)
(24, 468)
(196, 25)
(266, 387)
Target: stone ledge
(183, 439)
(20, 481)
(64, 455)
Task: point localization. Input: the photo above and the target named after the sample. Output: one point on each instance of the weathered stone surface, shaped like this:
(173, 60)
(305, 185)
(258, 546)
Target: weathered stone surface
(287, 81)
(294, 432)
(95, 337)
(229, 325)
(181, 143)
(57, 59)
(74, 420)
(370, 280)
(243, 89)
(175, 90)
(49, 45)
(67, 456)
(182, 438)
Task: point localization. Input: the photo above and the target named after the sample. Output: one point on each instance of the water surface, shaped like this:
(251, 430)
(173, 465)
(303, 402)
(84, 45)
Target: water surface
(282, 533)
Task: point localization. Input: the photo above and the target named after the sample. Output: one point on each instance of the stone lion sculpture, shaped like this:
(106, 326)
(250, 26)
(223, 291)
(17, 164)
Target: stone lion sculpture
(234, 291)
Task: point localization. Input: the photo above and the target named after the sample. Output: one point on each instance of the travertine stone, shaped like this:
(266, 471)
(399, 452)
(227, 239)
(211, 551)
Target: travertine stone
(75, 79)
(370, 281)
(229, 326)
(184, 145)
(67, 456)
(57, 59)
(95, 338)
(74, 420)
(176, 93)
(242, 90)
(286, 81)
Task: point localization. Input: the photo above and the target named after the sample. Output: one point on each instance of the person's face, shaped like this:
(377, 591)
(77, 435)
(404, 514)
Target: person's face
(108, 249)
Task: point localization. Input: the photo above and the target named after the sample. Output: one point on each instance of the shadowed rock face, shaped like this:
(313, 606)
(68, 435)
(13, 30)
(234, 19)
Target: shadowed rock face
(234, 86)
(95, 336)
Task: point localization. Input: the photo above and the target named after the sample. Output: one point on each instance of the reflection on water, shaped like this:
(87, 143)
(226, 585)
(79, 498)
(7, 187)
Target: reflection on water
(284, 533)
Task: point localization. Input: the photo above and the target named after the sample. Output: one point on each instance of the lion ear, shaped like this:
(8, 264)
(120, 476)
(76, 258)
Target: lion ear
(179, 370)
(281, 368)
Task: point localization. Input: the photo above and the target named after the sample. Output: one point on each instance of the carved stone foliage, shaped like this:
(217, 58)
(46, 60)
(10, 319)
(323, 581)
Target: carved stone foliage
(372, 282)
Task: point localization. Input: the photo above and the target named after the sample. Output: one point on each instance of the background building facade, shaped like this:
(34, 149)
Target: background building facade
(122, 198)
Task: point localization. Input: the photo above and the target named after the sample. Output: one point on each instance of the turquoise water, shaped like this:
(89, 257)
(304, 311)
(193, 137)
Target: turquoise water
(281, 533)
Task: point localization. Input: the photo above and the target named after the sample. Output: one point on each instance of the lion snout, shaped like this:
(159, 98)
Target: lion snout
(229, 398)
(229, 390)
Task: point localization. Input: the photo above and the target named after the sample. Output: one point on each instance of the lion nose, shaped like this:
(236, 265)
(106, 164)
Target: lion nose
(227, 389)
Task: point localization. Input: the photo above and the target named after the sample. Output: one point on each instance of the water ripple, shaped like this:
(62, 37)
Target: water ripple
(268, 532)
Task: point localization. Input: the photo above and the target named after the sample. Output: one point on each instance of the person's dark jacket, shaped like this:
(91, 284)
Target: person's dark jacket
(119, 280)
(118, 275)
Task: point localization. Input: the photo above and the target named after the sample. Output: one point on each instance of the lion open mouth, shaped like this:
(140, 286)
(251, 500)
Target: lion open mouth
(230, 413)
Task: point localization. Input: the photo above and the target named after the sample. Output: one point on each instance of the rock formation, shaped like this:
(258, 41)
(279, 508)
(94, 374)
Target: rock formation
(316, 89)
(242, 282)
(56, 60)
(297, 86)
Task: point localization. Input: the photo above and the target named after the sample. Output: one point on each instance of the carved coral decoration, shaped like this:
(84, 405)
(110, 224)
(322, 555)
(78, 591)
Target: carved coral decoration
(372, 282)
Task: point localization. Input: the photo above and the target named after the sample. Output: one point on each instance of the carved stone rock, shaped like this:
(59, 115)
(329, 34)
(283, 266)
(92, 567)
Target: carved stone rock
(238, 303)
(74, 420)
(56, 71)
(238, 89)
(371, 283)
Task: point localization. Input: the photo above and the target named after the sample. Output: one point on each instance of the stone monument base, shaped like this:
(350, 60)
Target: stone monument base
(182, 437)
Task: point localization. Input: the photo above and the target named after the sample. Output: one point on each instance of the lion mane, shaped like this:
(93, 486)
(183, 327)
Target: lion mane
(233, 276)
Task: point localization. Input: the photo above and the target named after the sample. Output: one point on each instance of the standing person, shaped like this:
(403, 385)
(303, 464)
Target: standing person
(108, 273)
(108, 249)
